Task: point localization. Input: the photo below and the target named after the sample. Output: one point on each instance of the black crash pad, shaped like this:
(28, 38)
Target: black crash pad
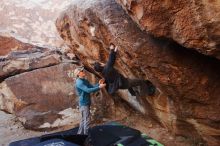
(109, 134)
(56, 142)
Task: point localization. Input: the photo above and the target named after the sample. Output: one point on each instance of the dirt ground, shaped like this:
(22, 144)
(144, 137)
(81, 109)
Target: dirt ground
(12, 130)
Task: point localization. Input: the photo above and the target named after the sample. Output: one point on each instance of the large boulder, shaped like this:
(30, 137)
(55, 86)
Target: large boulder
(9, 44)
(37, 85)
(192, 24)
(45, 98)
(187, 99)
(21, 61)
(40, 98)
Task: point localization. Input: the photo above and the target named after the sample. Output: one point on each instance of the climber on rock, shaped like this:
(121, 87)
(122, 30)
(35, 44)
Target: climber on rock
(114, 80)
(83, 89)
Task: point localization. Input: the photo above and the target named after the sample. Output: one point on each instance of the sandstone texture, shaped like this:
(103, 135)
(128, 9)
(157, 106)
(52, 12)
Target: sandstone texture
(193, 24)
(187, 99)
(32, 21)
(20, 57)
(37, 85)
(9, 44)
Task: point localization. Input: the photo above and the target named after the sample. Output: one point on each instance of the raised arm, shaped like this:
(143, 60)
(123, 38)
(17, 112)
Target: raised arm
(112, 57)
(101, 81)
(85, 88)
(92, 86)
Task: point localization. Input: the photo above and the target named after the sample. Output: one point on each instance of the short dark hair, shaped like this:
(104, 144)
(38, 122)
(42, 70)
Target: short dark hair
(98, 67)
(112, 44)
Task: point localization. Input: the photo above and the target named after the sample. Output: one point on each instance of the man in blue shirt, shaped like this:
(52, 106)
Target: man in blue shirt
(83, 89)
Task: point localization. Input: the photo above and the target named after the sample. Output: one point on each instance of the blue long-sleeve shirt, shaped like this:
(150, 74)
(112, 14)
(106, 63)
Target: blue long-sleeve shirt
(83, 89)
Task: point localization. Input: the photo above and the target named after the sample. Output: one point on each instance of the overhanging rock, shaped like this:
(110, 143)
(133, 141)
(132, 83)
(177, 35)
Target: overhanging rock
(193, 24)
(187, 81)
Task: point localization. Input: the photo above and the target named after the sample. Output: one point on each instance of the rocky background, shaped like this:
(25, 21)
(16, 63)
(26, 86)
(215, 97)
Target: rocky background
(175, 45)
(36, 71)
(161, 42)
(32, 21)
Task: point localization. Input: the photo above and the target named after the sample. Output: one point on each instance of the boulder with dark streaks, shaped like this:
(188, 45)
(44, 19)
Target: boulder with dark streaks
(193, 24)
(187, 99)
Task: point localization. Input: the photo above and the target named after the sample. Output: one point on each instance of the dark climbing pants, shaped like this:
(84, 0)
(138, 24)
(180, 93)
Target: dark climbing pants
(129, 83)
(145, 84)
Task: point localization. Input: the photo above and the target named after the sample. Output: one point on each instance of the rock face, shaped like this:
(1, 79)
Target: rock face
(37, 86)
(41, 98)
(32, 21)
(193, 24)
(23, 57)
(9, 44)
(187, 100)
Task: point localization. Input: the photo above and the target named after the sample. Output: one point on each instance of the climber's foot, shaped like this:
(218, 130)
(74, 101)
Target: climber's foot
(151, 89)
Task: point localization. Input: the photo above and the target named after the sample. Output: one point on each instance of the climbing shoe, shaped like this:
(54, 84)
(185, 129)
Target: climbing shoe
(151, 89)
(132, 92)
